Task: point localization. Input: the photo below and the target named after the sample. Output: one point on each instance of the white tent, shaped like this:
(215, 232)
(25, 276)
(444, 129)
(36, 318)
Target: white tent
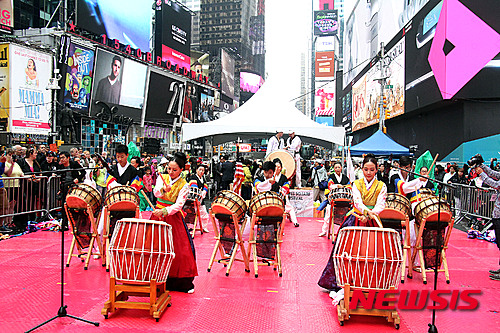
(261, 117)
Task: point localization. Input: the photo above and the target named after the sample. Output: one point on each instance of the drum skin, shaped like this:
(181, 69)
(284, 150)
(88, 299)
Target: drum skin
(141, 250)
(368, 258)
(426, 193)
(287, 161)
(267, 204)
(194, 194)
(82, 194)
(397, 207)
(340, 194)
(122, 198)
(228, 202)
(428, 210)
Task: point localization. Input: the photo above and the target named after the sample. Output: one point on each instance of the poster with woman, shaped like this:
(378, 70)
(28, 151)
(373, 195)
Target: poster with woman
(30, 101)
(79, 73)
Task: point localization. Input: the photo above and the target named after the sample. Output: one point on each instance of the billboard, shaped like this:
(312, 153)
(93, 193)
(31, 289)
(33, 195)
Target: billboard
(173, 39)
(250, 82)
(325, 99)
(326, 43)
(200, 63)
(366, 91)
(207, 105)
(347, 110)
(325, 64)
(325, 22)
(78, 80)
(442, 64)
(165, 97)
(369, 25)
(128, 21)
(30, 101)
(4, 81)
(227, 77)
(327, 121)
(119, 81)
(6, 16)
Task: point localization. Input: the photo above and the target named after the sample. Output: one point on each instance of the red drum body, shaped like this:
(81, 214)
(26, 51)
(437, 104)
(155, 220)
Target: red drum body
(287, 161)
(368, 258)
(267, 204)
(81, 195)
(122, 198)
(141, 250)
(428, 210)
(228, 202)
(397, 207)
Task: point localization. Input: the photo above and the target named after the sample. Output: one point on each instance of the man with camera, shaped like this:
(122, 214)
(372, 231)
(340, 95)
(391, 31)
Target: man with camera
(492, 179)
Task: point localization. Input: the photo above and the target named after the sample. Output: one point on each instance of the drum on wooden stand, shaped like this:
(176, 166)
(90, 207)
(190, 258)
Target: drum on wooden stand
(287, 161)
(81, 195)
(368, 258)
(228, 203)
(428, 210)
(194, 194)
(340, 194)
(397, 207)
(122, 198)
(141, 250)
(267, 204)
(425, 193)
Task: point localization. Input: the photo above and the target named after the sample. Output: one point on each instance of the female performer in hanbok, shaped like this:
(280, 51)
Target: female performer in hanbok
(369, 196)
(172, 190)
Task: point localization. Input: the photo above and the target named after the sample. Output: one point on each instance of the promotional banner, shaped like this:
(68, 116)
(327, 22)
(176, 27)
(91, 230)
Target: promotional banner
(394, 61)
(79, 72)
(302, 202)
(227, 77)
(325, 22)
(7, 15)
(129, 21)
(30, 102)
(326, 43)
(4, 81)
(207, 105)
(325, 65)
(325, 99)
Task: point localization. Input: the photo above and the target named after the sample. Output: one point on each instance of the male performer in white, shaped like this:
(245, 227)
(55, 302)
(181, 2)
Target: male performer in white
(293, 144)
(275, 142)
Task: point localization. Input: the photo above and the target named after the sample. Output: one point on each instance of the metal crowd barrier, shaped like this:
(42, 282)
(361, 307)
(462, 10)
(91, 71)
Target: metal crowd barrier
(28, 195)
(472, 203)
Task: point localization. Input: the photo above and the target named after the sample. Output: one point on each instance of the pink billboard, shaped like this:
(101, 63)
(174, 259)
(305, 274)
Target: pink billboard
(250, 82)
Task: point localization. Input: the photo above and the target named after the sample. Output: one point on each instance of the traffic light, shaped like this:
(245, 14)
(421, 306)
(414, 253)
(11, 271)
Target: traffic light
(384, 102)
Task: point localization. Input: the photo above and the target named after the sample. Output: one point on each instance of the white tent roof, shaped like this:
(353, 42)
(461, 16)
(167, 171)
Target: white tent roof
(262, 116)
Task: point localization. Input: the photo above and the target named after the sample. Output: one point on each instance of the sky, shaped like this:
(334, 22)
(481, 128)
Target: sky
(288, 34)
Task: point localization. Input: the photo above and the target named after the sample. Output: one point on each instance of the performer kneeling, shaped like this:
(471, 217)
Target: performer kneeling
(172, 190)
(369, 196)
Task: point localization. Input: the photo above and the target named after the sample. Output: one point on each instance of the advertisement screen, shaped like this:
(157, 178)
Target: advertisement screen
(165, 98)
(347, 110)
(174, 38)
(119, 81)
(461, 65)
(190, 110)
(30, 102)
(328, 121)
(325, 65)
(250, 82)
(326, 43)
(6, 16)
(4, 81)
(78, 81)
(200, 63)
(370, 24)
(227, 77)
(325, 22)
(129, 21)
(207, 102)
(325, 99)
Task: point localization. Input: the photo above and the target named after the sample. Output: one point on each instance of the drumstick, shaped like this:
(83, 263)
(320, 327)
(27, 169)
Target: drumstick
(432, 165)
(147, 199)
(379, 223)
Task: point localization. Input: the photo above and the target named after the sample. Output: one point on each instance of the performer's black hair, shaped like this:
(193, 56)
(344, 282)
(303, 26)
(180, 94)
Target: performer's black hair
(268, 165)
(369, 158)
(180, 159)
(122, 149)
(277, 160)
(405, 161)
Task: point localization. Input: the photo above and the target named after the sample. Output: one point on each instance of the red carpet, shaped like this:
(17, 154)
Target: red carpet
(29, 267)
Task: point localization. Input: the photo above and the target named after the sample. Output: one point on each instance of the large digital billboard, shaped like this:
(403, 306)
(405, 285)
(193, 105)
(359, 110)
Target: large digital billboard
(173, 39)
(129, 21)
(165, 97)
(78, 80)
(119, 81)
(227, 77)
(370, 24)
(325, 65)
(325, 22)
(447, 59)
(30, 101)
(250, 82)
(347, 110)
(6, 15)
(325, 99)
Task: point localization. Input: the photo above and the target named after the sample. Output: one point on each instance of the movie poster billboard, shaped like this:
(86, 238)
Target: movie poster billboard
(4, 81)
(79, 73)
(7, 16)
(30, 101)
(118, 81)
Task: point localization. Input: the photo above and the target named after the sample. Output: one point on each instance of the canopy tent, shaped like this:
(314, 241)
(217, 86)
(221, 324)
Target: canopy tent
(379, 144)
(262, 116)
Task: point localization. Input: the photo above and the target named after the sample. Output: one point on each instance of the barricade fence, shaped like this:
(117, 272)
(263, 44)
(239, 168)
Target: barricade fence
(28, 195)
